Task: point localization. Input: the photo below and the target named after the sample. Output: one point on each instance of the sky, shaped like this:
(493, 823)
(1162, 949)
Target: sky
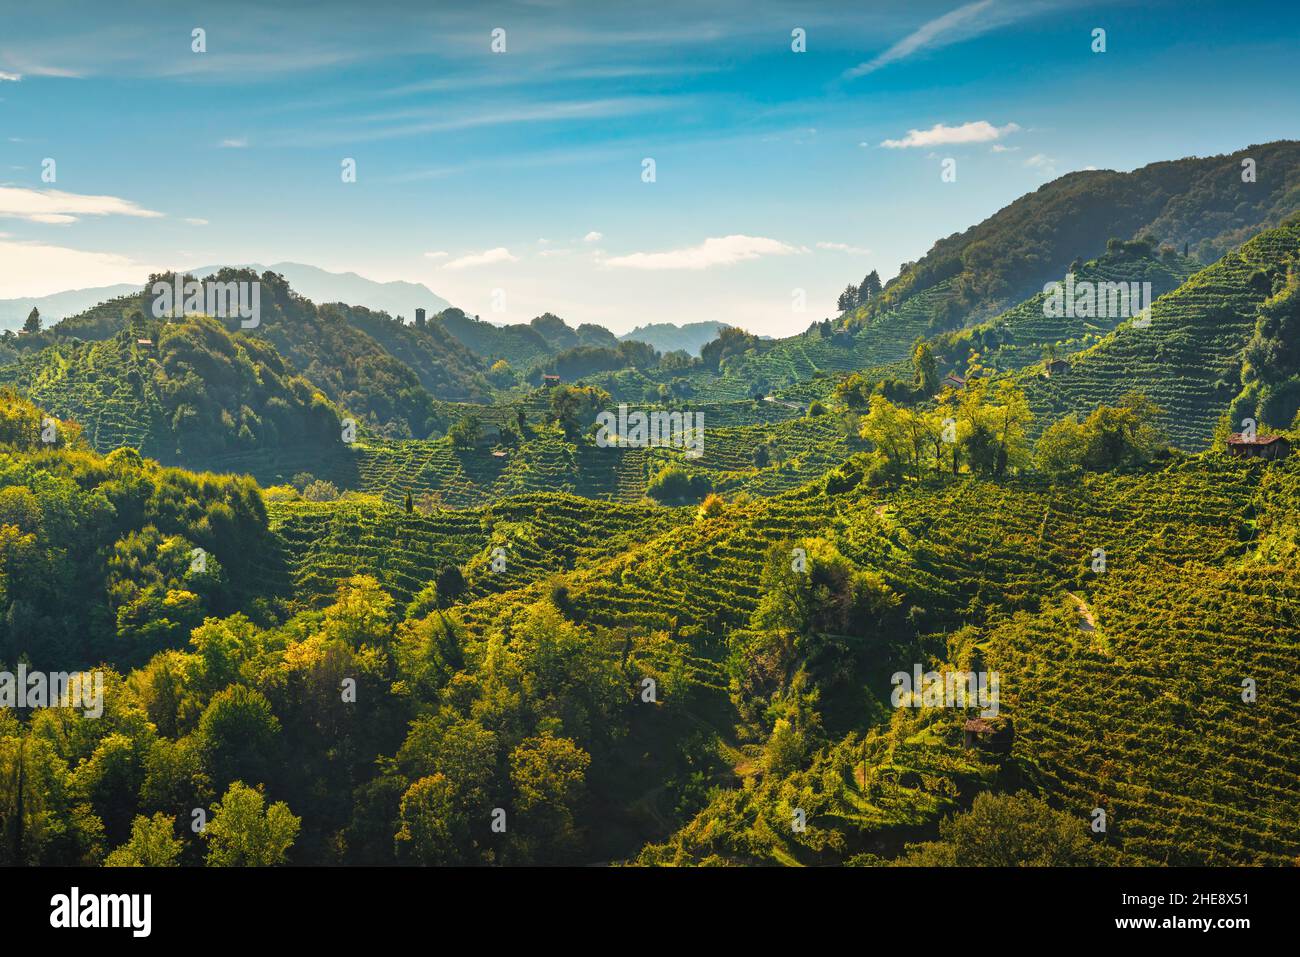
(508, 171)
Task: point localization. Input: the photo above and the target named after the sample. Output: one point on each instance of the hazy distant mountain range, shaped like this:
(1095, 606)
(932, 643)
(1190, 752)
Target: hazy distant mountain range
(668, 337)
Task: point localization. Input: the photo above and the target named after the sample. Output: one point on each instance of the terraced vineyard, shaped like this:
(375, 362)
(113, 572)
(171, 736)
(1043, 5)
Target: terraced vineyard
(1143, 715)
(798, 451)
(470, 477)
(325, 543)
(1003, 558)
(108, 390)
(968, 551)
(649, 656)
(801, 449)
(541, 535)
(1015, 339)
(1188, 358)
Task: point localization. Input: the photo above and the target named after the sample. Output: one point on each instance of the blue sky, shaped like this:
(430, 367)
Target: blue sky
(520, 173)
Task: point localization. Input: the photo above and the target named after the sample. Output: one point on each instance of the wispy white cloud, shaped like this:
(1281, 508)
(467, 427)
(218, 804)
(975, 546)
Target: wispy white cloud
(844, 248)
(486, 258)
(234, 143)
(965, 22)
(593, 237)
(195, 221)
(57, 207)
(715, 251)
(435, 119)
(145, 47)
(10, 77)
(438, 254)
(1043, 163)
(978, 131)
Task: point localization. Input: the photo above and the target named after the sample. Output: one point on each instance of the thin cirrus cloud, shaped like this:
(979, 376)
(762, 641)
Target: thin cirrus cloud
(10, 77)
(234, 143)
(715, 251)
(53, 206)
(967, 21)
(415, 122)
(593, 237)
(486, 258)
(978, 131)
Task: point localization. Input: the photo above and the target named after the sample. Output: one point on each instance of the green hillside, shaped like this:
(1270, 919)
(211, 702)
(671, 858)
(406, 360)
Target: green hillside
(522, 345)
(1188, 360)
(389, 376)
(1018, 337)
(446, 369)
(368, 649)
(992, 572)
(1201, 203)
(178, 391)
(528, 618)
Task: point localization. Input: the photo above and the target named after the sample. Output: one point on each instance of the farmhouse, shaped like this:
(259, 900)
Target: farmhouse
(1269, 447)
(1056, 367)
(549, 380)
(990, 734)
(954, 381)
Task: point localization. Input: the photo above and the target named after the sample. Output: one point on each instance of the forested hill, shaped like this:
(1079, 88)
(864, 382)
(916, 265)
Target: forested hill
(180, 391)
(384, 373)
(1202, 203)
(646, 655)
(329, 344)
(523, 345)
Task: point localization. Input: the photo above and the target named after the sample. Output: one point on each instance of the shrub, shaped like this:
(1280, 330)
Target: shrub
(320, 491)
(674, 485)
